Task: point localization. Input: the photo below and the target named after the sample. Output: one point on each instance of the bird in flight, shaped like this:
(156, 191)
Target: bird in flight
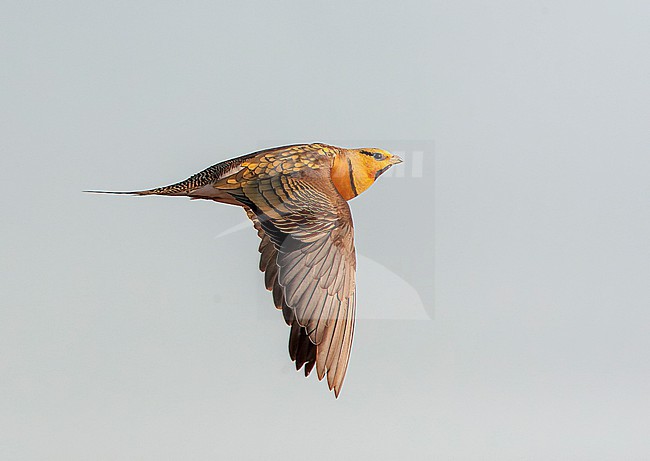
(297, 197)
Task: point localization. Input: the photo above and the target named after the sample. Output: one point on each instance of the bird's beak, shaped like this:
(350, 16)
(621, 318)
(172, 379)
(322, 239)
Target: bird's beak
(394, 160)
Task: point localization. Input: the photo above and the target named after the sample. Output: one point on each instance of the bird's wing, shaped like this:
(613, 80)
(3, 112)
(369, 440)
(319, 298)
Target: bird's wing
(307, 253)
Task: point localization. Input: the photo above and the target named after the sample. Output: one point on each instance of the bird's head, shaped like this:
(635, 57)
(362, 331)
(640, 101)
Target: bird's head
(355, 170)
(375, 161)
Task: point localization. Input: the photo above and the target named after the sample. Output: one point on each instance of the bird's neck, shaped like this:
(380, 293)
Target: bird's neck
(349, 175)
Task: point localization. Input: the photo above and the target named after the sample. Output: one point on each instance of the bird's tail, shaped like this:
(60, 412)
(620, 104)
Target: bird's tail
(196, 186)
(167, 190)
(183, 188)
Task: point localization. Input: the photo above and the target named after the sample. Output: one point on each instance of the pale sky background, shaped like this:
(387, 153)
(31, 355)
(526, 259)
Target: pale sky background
(504, 292)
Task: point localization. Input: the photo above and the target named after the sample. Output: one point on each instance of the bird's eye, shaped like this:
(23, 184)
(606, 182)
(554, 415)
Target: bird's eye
(378, 156)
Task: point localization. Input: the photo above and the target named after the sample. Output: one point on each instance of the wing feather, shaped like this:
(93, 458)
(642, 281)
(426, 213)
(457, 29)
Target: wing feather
(306, 251)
